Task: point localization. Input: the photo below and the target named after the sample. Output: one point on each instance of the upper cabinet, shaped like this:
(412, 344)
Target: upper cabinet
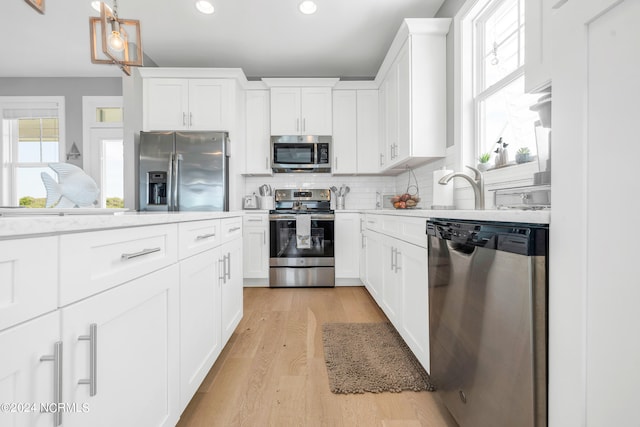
(301, 111)
(186, 104)
(258, 153)
(413, 89)
(355, 131)
(537, 46)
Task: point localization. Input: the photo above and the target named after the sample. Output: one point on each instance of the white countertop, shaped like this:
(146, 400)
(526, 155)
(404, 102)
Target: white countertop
(33, 224)
(503, 215)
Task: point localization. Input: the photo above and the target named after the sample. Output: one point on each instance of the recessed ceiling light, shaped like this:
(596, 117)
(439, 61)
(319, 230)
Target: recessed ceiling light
(204, 7)
(308, 7)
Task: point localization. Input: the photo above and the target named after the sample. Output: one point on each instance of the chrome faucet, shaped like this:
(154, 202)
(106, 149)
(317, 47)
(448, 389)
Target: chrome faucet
(477, 184)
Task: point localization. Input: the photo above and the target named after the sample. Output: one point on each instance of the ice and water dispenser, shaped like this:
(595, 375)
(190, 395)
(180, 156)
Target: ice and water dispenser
(157, 182)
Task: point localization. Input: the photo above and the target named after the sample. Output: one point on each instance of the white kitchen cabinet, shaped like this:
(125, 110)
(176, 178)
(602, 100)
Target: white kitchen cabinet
(301, 111)
(593, 269)
(355, 132)
(121, 353)
(382, 126)
(27, 379)
(368, 132)
(413, 78)
(198, 236)
(255, 246)
(345, 132)
(258, 149)
(186, 104)
(28, 279)
(200, 320)
(363, 250)
(230, 261)
(397, 278)
(347, 245)
(537, 47)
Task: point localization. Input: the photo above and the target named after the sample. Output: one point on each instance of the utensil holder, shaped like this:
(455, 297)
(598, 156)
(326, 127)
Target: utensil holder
(340, 202)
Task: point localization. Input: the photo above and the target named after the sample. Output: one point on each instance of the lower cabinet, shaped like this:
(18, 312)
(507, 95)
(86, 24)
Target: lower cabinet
(27, 377)
(347, 245)
(231, 288)
(121, 354)
(396, 277)
(255, 234)
(200, 320)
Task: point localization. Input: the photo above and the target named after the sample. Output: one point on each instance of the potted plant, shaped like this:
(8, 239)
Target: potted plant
(483, 160)
(523, 155)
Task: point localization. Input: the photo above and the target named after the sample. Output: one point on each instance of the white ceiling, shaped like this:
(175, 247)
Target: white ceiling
(266, 38)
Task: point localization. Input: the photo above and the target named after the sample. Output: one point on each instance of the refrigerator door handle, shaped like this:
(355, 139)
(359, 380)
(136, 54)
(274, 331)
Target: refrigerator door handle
(176, 200)
(170, 184)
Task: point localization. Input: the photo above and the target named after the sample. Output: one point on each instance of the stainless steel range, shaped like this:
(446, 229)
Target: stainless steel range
(301, 228)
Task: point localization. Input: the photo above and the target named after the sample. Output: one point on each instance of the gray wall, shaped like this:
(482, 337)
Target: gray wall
(72, 88)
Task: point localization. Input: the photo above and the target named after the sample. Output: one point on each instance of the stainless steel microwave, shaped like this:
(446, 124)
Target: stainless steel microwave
(294, 153)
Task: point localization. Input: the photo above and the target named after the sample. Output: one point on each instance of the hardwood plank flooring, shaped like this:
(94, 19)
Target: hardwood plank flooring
(272, 371)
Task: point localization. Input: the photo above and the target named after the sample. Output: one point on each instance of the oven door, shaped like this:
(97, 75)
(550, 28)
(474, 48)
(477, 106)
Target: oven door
(284, 250)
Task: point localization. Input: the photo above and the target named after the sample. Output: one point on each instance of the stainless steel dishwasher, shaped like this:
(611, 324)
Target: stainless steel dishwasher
(488, 321)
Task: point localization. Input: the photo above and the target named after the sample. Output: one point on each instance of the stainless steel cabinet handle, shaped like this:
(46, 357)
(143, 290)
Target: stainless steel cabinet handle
(254, 219)
(190, 119)
(393, 251)
(297, 125)
(336, 159)
(223, 277)
(184, 119)
(56, 358)
(234, 229)
(266, 162)
(228, 266)
(397, 266)
(205, 236)
(304, 125)
(92, 381)
(381, 159)
(141, 253)
(264, 237)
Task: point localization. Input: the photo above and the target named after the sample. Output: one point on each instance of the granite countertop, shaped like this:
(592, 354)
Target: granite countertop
(50, 224)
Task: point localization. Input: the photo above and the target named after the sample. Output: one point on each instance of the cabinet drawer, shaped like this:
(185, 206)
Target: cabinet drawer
(198, 236)
(28, 279)
(94, 261)
(231, 229)
(255, 220)
(372, 222)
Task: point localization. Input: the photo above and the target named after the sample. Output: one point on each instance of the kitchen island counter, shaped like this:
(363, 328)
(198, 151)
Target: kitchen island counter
(31, 225)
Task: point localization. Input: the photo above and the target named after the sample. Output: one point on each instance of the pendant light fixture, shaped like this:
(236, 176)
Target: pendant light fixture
(115, 40)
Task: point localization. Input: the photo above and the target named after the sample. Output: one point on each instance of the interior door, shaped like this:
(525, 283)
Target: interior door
(107, 164)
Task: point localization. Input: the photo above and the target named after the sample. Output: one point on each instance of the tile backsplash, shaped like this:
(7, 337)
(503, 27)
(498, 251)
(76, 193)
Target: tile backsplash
(361, 196)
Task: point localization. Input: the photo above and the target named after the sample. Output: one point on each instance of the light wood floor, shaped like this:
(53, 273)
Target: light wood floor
(272, 371)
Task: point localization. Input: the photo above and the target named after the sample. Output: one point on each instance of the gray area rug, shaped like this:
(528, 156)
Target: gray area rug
(370, 357)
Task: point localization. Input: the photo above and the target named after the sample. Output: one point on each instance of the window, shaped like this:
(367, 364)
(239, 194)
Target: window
(32, 132)
(501, 107)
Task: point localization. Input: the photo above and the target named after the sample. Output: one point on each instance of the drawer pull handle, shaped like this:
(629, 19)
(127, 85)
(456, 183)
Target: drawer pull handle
(141, 253)
(56, 358)
(93, 359)
(205, 236)
(234, 229)
(254, 220)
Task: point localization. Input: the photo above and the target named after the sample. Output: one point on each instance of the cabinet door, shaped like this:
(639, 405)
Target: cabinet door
(374, 272)
(165, 104)
(256, 252)
(200, 328)
(347, 245)
(391, 286)
(316, 111)
(382, 130)
(24, 378)
(344, 132)
(414, 311)
(285, 111)
(404, 100)
(231, 254)
(258, 151)
(391, 113)
(537, 68)
(135, 353)
(368, 132)
(208, 104)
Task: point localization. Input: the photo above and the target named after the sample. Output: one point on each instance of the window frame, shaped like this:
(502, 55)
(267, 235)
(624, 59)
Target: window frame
(9, 151)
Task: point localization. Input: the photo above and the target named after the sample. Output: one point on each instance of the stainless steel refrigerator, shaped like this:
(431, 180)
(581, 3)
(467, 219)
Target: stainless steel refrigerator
(184, 171)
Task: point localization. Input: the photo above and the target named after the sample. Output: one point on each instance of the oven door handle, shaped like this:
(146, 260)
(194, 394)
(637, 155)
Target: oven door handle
(289, 217)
